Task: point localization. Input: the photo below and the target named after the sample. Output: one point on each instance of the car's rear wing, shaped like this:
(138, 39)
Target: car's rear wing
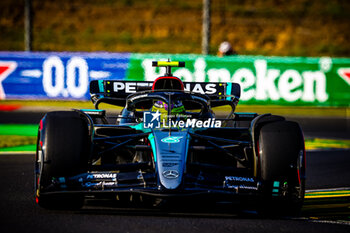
(120, 89)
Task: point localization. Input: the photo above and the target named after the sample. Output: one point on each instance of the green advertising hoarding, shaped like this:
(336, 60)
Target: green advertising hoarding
(293, 81)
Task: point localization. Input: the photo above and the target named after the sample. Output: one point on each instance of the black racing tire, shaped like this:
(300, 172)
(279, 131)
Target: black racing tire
(281, 160)
(62, 151)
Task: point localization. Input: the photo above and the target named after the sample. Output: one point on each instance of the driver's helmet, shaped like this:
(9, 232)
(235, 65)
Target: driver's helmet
(176, 109)
(168, 83)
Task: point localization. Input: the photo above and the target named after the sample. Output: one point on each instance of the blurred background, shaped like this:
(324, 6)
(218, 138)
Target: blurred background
(253, 27)
(285, 54)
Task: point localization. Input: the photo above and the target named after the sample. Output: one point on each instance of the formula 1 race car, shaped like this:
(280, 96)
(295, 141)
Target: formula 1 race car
(169, 142)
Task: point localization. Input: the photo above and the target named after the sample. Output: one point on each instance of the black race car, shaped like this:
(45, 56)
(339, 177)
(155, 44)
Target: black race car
(169, 142)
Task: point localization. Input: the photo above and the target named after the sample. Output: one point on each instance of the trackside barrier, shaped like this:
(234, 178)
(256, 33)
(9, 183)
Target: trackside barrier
(286, 81)
(39, 75)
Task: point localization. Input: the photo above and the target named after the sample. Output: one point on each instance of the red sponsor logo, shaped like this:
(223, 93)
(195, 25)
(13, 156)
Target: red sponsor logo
(6, 68)
(344, 73)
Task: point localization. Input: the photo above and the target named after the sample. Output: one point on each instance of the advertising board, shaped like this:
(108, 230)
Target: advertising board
(285, 81)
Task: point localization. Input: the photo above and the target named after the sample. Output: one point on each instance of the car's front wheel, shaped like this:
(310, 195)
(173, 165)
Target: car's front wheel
(62, 151)
(281, 167)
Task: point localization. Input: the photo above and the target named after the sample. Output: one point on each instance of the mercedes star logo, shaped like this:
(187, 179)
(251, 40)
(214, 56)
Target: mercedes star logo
(171, 174)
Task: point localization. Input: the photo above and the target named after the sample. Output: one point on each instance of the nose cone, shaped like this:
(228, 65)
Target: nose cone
(171, 152)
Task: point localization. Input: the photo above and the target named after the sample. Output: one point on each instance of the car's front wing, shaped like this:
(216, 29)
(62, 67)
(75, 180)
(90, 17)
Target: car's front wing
(146, 184)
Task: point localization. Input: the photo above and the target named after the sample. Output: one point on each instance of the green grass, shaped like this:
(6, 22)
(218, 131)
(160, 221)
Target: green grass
(13, 142)
(317, 143)
(23, 138)
(23, 148)
(50, 104)
(261, 109)
(297, 110)
(291, 111)
(27, 143)
(18, 137)
(18, 129)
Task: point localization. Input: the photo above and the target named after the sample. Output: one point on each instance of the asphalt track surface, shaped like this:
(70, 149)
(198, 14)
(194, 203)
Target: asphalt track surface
(19, 213)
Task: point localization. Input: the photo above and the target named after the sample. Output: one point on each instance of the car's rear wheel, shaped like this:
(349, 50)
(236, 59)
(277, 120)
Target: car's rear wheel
(281, 167)
(62, 151)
